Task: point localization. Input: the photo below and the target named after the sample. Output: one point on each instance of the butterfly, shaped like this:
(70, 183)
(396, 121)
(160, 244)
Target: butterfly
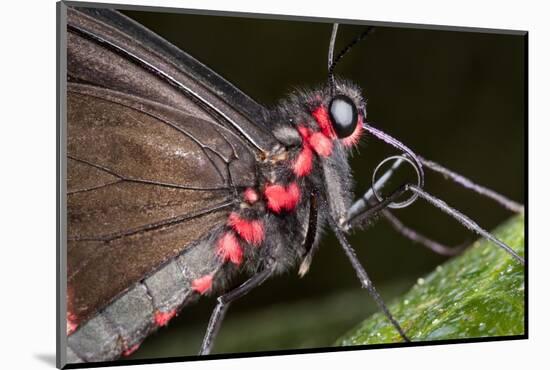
(177, 181)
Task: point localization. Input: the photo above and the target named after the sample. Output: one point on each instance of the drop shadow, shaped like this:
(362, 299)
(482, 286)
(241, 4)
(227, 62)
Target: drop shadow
(47, 358)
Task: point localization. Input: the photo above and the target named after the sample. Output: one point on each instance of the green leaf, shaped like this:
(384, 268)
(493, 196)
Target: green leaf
(478, 294)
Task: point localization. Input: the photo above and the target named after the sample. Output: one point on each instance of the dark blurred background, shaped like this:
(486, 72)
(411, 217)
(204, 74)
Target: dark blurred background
(454, 97)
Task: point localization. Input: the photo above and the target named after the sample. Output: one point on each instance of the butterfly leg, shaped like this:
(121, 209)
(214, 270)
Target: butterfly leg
(224, 301)
(409, 156)
(365, 280)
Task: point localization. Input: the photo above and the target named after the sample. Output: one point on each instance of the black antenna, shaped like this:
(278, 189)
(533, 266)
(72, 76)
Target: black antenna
(331, 57)
(332, 62)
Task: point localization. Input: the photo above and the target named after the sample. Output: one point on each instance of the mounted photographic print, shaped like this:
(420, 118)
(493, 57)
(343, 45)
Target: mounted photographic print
(234, 184)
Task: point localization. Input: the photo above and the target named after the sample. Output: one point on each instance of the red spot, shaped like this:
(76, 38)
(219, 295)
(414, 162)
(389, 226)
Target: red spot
(252, 231)
(71, 323)
(162, 318)
(276, 197)
(294, 195)
(304, 132)
(202, 284)
(354, 138)
(129, 351)
(304, 162)
(280, 198)
(323, 120)
(230, 249)
(319, 141)
(251, 196)
(321, 144)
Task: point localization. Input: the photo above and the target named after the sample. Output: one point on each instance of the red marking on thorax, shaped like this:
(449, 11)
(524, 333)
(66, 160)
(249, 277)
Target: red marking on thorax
(281, 198)
(229, 248)
(321, 144)
(304, 162)
(202, 284)
(323, 120)
(305, 133)
(251, 196)
(162, 318)
(129, 351)
(252, 231)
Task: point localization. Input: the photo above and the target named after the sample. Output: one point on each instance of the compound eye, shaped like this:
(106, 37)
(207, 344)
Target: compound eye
(343, 114)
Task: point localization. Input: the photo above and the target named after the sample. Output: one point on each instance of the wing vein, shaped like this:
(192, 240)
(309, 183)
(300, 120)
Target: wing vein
(138, 181)
(155, 225)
